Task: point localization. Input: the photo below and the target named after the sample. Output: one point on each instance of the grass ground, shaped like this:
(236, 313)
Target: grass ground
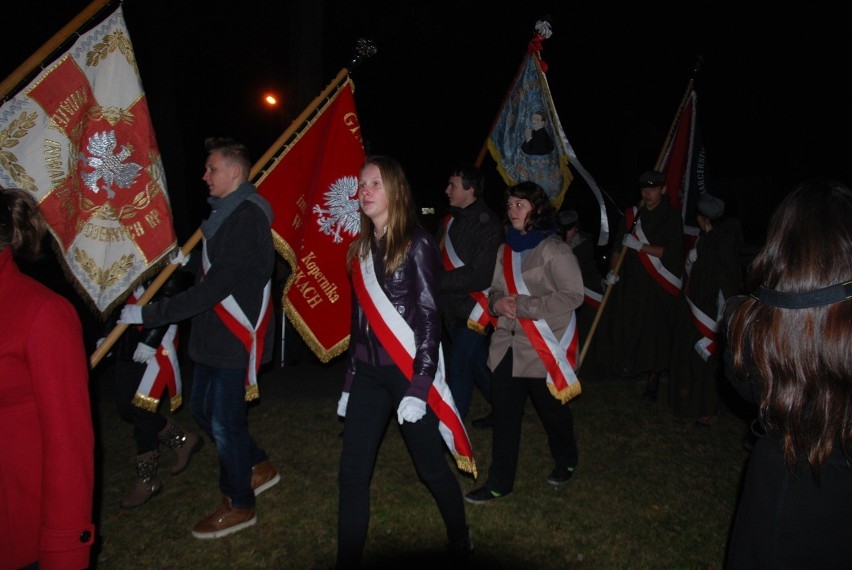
(651, 490)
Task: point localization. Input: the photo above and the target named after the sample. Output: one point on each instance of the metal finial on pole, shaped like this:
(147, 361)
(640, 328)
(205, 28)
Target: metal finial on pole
(698, 63)
(364, 48)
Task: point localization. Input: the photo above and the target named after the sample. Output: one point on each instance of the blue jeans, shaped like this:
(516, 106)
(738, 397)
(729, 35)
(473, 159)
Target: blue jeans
(467, 365)
(218, 405)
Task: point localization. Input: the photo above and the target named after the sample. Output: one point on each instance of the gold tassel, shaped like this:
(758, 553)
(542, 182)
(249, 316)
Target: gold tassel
(567, 394)
(145, 402)
(468, 465)
(252, 392)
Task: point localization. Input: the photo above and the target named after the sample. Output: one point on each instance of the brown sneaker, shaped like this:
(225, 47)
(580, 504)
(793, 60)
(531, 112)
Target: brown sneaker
(224, 521)
(263, 477)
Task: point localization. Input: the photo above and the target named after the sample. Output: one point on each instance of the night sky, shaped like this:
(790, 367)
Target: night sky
(770, 101)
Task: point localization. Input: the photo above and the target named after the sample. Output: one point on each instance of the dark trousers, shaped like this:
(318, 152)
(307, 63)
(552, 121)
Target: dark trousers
(146, 424)
(373, 400)
(508, 399)
(467, 365)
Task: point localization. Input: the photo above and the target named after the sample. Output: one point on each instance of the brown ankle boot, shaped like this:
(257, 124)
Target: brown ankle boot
(185, 444)
(147, 485)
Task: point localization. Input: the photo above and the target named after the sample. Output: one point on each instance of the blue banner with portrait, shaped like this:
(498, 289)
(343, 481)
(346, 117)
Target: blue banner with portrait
(528, 144)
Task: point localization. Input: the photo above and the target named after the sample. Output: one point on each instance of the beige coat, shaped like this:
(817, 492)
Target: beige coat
(553, 277)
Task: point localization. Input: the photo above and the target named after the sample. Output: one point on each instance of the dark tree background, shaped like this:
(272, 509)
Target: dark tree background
(770, 101)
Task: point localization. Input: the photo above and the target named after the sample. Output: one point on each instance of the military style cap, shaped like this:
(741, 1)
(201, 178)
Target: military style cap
(567, 218)
(709, 206)
(651, 178)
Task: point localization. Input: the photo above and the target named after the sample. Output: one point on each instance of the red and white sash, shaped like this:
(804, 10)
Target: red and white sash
(670, 282)
(480, 317)
(252, 335)
(592, 298)
(161, 372)
(559, 356)
(397, 338)
(706, 345)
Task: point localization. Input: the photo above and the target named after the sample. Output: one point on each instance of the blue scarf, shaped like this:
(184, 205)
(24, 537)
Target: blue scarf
(522, 242)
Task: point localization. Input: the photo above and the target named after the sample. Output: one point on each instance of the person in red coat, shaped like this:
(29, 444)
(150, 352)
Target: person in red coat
(47, 449)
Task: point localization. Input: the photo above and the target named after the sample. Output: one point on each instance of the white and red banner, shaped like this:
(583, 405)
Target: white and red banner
(79, 138)
(312, 184)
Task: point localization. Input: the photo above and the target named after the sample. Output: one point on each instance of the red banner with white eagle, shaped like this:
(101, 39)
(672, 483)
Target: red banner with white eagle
(79, 137)
(312, 184)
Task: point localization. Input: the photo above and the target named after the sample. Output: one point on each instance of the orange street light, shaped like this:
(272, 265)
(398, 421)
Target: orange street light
(271, 100)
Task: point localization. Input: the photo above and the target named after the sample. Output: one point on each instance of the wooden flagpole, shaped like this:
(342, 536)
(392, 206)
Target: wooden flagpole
(54, 43)
(190, 244)
(155, 285)
(617, 267)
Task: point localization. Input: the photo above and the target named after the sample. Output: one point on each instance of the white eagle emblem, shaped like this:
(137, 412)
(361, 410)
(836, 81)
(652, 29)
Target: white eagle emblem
(341, 209)
(108, 166)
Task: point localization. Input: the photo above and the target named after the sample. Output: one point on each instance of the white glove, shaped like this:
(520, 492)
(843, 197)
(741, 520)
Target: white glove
(143, 353)
(179, 257)
(130, 315)
(691, 257)
(411, 409)
(611, 278)
(631, 242)
(341, 404)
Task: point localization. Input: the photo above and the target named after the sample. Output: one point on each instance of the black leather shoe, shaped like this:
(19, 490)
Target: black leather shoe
(485, 422)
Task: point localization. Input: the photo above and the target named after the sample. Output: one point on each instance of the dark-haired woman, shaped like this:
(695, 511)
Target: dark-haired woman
(790, 351)
(536, 287)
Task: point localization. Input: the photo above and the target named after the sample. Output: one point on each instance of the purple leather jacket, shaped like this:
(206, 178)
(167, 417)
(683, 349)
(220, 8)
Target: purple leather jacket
(413, 290)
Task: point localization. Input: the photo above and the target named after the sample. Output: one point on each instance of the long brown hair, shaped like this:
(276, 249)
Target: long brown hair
(802, 356)
(21, 224)
(402, 218)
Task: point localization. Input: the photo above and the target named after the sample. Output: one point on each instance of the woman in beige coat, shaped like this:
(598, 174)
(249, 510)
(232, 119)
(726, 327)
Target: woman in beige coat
(536, 287)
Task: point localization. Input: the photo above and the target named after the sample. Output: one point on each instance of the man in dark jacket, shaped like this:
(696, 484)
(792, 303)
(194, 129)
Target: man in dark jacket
(469, 237)
(231, 333)
(712, 275)
(637, 325)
